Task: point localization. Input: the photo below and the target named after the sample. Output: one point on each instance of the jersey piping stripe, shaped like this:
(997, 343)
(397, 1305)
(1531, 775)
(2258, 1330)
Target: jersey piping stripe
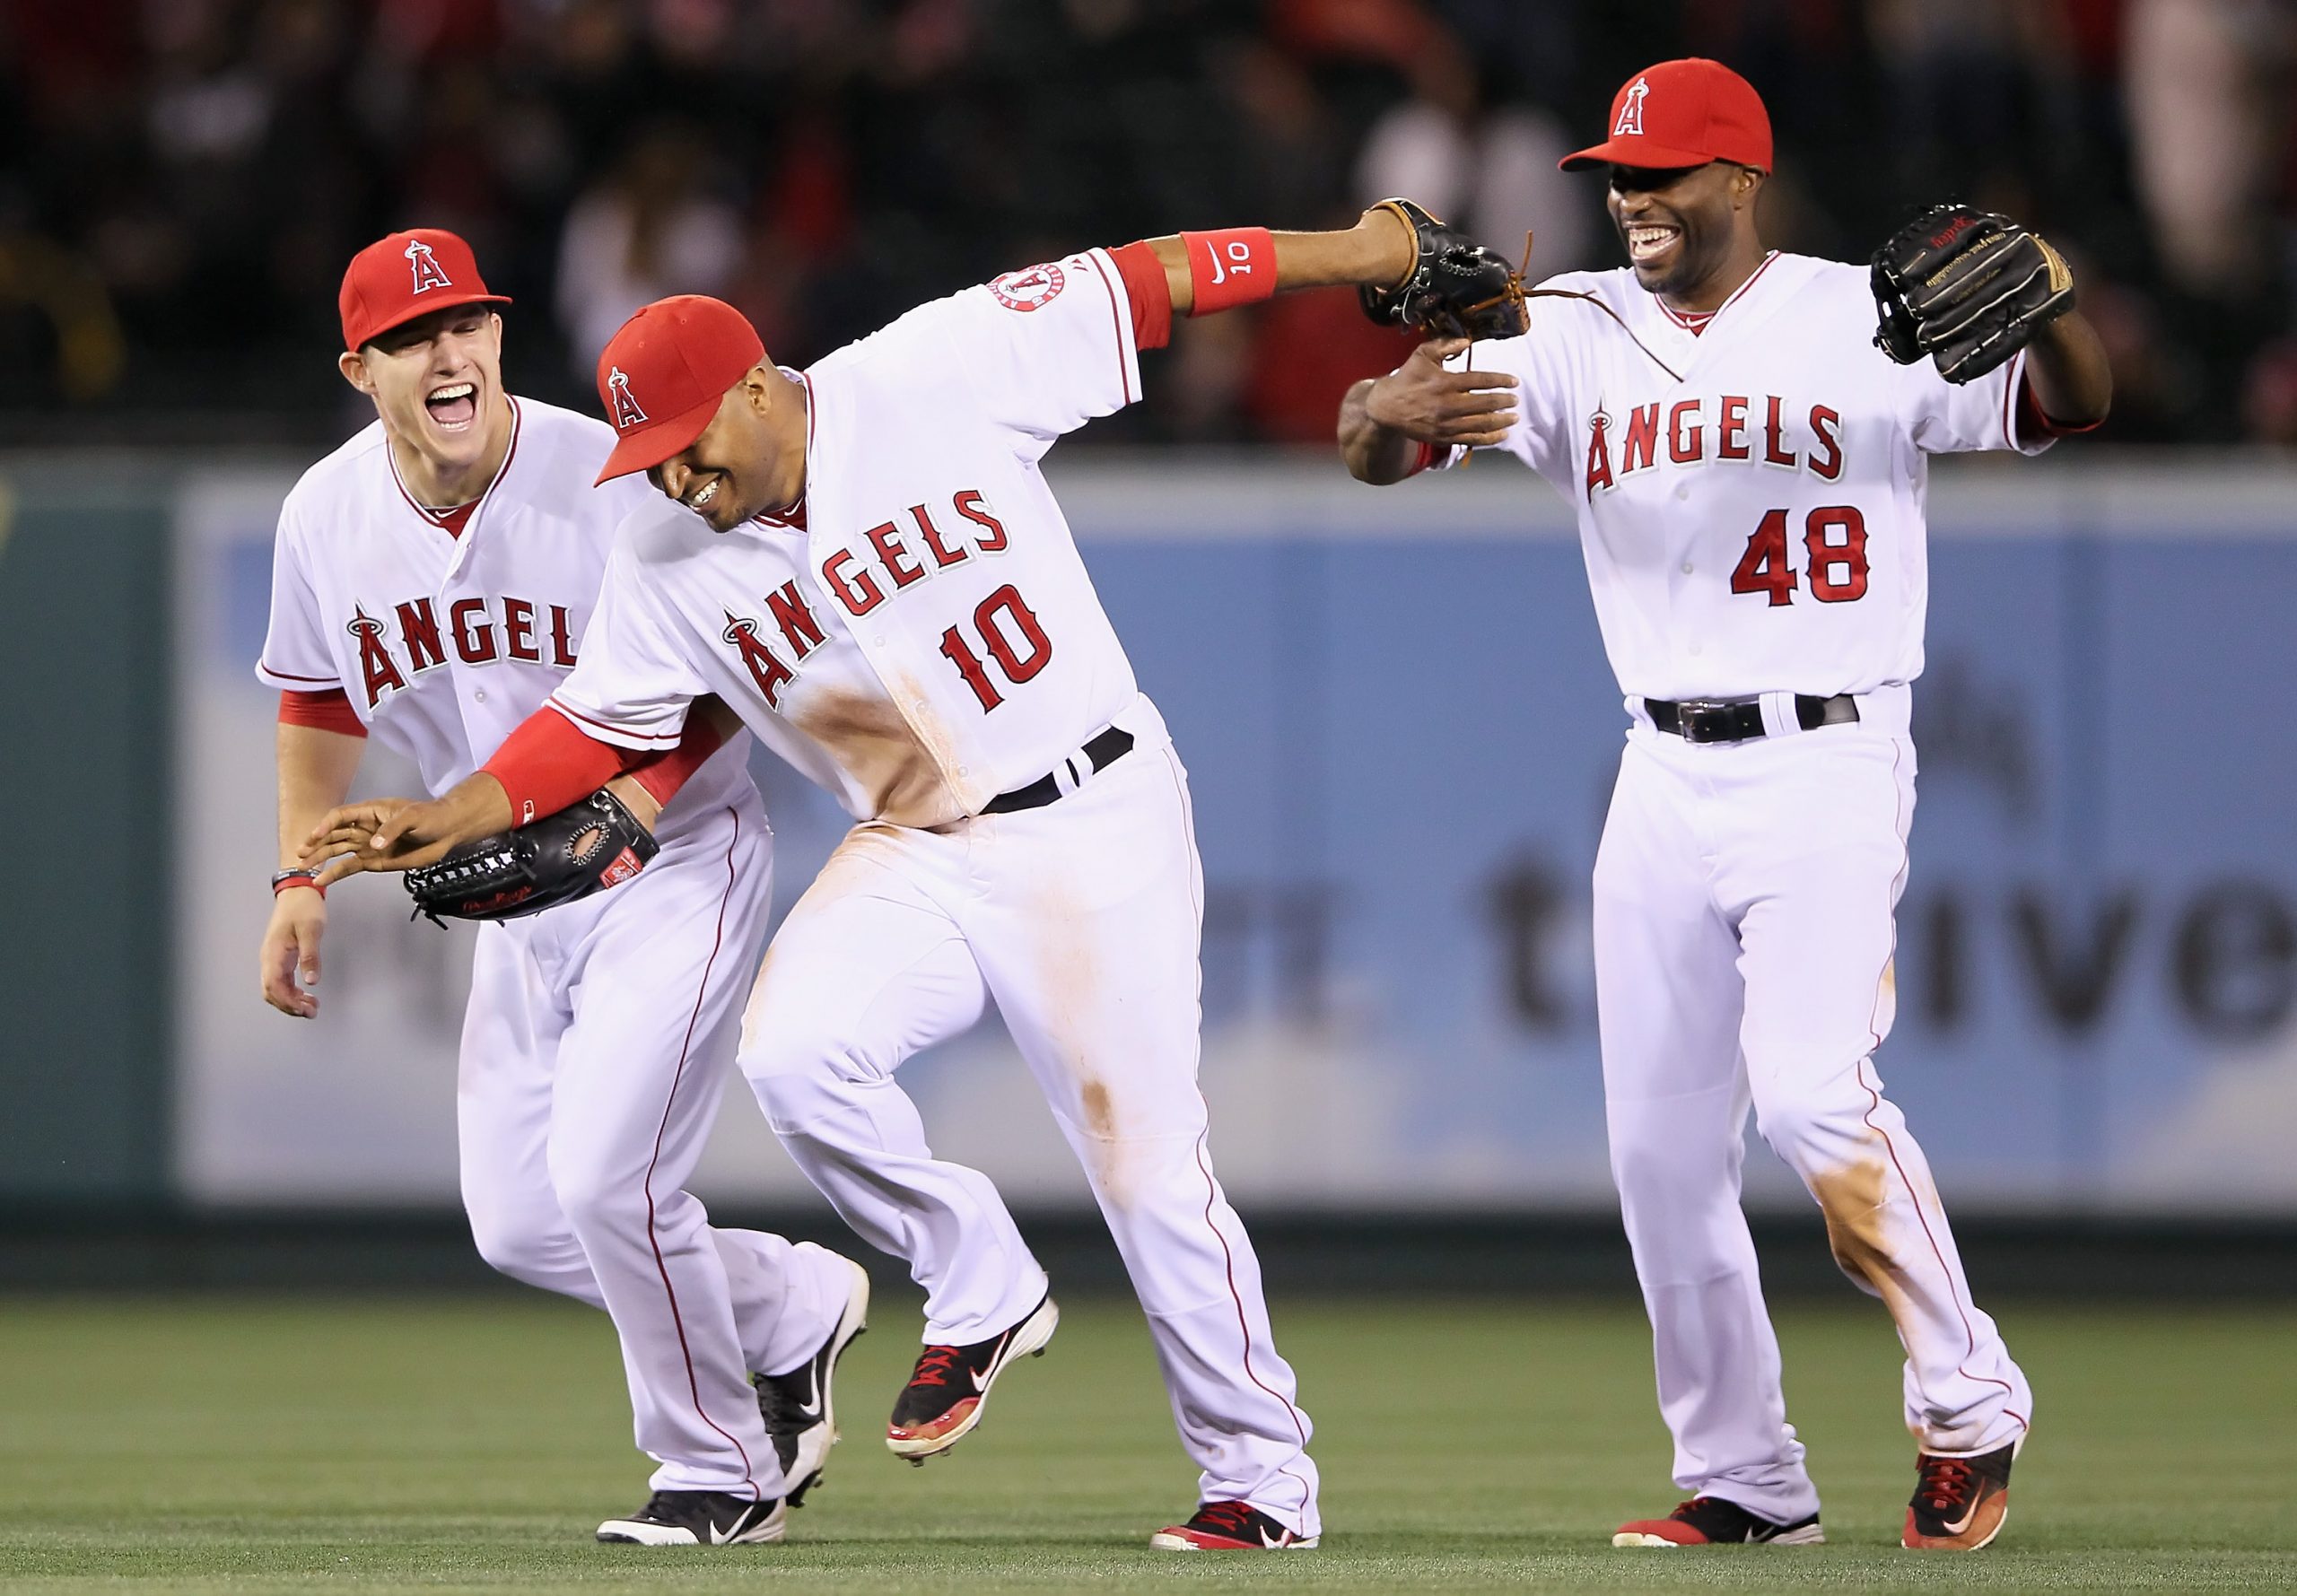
(2010, 400)
(1117, 319)
(1212, 1187)
(1701, 323)
(651, 739)
(1874, 1097)
(289, 676)
(653, 1235)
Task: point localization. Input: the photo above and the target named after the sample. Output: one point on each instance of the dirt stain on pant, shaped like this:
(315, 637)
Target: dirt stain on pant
(1853, 1198)
(1104, 1148)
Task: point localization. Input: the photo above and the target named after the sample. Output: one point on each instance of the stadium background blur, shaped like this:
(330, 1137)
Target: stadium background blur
(180, 180)
(223, 1234)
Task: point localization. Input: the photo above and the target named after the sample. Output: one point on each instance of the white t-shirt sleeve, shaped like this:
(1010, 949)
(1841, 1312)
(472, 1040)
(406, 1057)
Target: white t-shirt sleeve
(1048, 348)
(633, 683)
(1947, 418)
(296, 656)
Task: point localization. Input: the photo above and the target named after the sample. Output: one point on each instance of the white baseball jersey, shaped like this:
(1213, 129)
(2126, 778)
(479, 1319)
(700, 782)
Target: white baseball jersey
(444, 643)
(1749, 496)
(929, 638)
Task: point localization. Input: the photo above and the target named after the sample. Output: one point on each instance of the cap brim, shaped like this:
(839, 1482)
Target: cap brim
(1642, 152)
(656, 441)
(432, 309)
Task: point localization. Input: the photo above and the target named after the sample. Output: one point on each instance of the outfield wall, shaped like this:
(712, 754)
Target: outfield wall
(1401, 732)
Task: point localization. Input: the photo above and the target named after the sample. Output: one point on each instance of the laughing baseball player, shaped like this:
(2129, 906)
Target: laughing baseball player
(1747, 456)
(863, 560)
(432, 582)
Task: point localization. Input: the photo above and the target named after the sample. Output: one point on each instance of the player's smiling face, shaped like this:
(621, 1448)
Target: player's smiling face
(1679, 223)
(437, 382)
(749, 461)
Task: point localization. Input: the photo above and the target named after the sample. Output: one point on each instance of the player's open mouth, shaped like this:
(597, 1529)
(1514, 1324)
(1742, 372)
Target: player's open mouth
(704, 496)
(1648, 240)
(453, 406)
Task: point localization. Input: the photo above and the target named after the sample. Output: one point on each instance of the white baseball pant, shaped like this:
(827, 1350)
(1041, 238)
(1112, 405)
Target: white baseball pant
(1744, 930)
(594, 1055)
(1081, 919)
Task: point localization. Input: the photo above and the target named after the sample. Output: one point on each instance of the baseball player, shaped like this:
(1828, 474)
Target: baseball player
(434, 580)
(1749, 470)
(863, 560)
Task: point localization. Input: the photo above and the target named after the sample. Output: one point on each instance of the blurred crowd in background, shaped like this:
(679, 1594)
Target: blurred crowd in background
(181, 181)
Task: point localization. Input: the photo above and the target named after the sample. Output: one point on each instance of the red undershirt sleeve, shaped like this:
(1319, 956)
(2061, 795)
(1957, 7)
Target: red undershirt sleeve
(2032, 422)
(662, 775)
(548, 763)
(328, 710)
(1150, 295)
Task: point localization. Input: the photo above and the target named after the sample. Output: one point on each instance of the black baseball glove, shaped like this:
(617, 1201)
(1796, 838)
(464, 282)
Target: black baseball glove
(1456, 288)
(1966, 287)
(584, 848)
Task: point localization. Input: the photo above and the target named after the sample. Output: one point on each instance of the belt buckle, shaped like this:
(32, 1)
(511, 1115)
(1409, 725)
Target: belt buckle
(1703, 719)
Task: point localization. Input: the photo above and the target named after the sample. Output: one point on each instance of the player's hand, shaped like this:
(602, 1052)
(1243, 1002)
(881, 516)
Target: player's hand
(1429, 405)
(380, 834)
(289, 964)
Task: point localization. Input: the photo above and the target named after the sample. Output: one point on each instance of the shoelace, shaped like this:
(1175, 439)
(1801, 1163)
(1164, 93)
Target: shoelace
(936, 1367)
(1229, 1518)
(1946, 1484)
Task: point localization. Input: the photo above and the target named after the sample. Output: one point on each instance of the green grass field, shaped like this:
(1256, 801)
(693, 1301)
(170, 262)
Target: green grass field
(471, 1443)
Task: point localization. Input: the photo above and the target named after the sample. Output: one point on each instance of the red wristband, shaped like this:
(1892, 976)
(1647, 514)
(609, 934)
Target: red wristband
(287, 879)
(1234, 266)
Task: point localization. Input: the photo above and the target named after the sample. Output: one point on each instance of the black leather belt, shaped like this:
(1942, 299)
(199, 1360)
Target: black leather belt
(1736, 720)
(1101, 753)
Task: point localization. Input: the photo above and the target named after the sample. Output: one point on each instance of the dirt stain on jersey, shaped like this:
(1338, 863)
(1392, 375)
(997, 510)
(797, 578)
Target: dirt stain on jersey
(869, 738)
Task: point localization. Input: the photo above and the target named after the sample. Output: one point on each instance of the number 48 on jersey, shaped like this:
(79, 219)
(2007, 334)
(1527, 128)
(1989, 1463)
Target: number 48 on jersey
(1834, 540)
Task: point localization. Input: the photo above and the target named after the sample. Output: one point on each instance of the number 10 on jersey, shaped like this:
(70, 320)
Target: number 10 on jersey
(1000, 619)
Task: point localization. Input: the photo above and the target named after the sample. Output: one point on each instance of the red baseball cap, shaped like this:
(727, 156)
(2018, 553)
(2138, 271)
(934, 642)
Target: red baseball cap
(663, 373)
(1683, 113)
(402, 275)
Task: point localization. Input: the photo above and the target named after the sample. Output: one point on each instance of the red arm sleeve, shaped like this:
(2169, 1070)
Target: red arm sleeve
(662, 775)
(328, 710)
(1150, 295)
(548, 763)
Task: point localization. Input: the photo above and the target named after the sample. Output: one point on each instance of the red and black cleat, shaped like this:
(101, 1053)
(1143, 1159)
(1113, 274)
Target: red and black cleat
(950, 1388)
(1959, 1503)
(1711, 1521)
(1229, 1527)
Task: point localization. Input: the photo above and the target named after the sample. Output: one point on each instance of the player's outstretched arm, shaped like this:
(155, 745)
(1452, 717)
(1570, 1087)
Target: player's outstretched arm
(1388, 423)
(542, 767)
(1237, 266)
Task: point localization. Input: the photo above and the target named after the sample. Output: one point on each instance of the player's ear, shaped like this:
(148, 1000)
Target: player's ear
(353, 364)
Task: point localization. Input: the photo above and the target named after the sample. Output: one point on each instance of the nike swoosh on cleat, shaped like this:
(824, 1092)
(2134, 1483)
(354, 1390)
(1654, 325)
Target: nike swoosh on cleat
(726, 1537)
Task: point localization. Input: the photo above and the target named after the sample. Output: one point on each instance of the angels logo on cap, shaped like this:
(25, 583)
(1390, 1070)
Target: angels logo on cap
(428, 272)
(1630, 115)
(627, 412)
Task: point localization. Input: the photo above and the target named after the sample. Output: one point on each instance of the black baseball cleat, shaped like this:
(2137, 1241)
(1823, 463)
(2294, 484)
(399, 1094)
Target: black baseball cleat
(950, 1388)
(697, 1518)
(1959, 1503)
(800, 1418)
(1711, 1521)
(1229, 1527)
